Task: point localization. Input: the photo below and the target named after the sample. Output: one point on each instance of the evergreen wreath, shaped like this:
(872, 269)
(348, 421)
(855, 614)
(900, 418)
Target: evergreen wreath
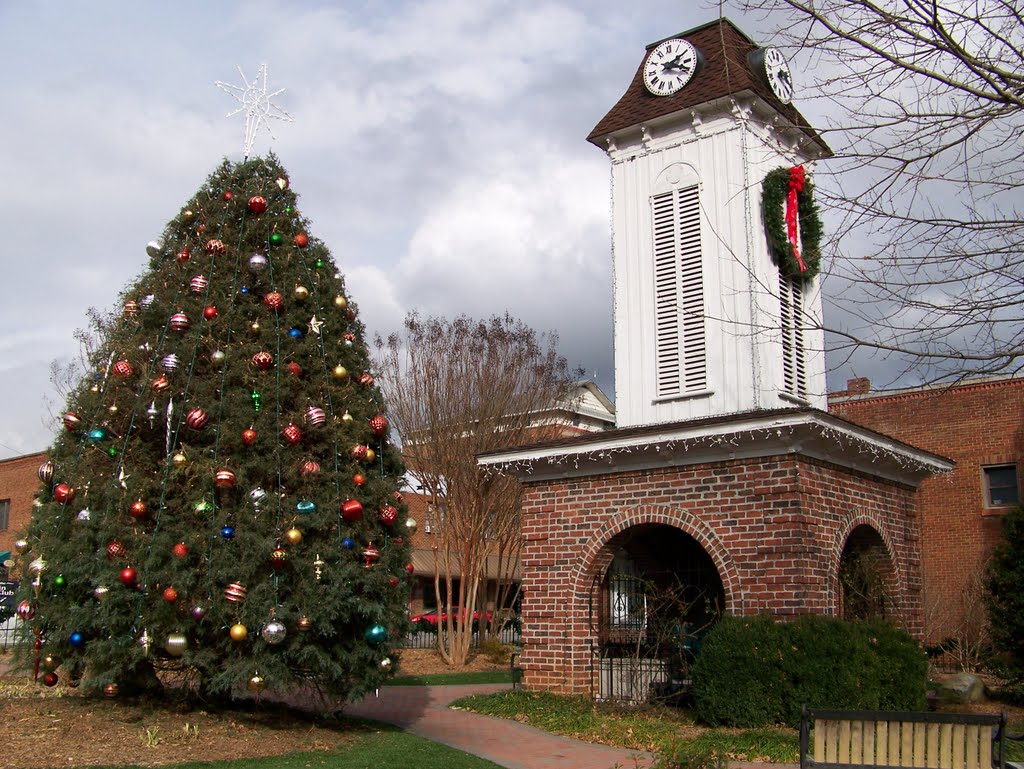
(773, 204)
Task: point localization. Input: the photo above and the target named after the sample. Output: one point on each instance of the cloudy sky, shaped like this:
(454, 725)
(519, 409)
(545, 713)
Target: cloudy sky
(438, 148)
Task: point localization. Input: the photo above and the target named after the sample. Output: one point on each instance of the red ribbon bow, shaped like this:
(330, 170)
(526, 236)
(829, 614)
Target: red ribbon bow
(797, 179)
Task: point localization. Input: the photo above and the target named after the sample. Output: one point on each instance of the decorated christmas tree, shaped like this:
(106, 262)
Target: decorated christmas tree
(222, 512)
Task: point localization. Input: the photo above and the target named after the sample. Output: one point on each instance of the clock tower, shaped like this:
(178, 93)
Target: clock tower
(707, 322)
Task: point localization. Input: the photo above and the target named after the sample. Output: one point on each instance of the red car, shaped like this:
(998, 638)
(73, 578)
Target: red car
(457, 615)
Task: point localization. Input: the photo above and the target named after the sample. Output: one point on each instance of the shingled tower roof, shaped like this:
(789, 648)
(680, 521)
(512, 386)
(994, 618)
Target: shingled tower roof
(725, 72)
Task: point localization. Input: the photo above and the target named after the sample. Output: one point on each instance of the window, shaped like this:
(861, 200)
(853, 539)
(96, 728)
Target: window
(5, 514)
(680, 349)
(794, 353)
(1001, 487)
(434, 518)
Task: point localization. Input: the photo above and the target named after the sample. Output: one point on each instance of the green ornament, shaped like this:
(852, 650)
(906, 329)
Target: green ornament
(59, 581)
(319, 263)
(288, 209)
(112, 451)
(256, 401)
(375, 635)
(201, 508)
(276, 239)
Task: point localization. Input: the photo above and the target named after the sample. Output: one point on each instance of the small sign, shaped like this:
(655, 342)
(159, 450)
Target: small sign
(8, 594)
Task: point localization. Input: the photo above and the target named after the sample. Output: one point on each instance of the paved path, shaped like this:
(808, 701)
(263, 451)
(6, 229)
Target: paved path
(424, 711)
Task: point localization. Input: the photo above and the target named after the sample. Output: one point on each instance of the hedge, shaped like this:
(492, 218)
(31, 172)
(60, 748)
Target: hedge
(754, 671)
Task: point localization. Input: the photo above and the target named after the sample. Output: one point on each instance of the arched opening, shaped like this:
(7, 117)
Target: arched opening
(867, 578)
(651, 610)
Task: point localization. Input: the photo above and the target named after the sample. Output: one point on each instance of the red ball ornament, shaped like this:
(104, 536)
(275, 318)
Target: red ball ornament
(248, 437)
(128, 576)
(131, 308)
(72, 421)
(316, 416)
(161, 383)
(210, 312)
(197, 419)
(170, 594)
(180, 550)
(393, 582)
(228, 195)
(63, 493)
(370, 555)
(294, 368)
(309, 468)
(26, 610)
(180, 322)
(379, 424)
(278, 558)
(215, 247)
(224, 479)
(410, 568)
(365, 380)
(302, 240)
(291, 434)
(273, 300)
(50, 679)
(388, 515)
(263, 361)
(123, 369)
(350, 314)
(184, 255)
(111, 691)
(359, 452)
(116, 549)
(138, 509)
(351, 510)
(257, 204)
(359, 479)
(235, 592)
(198, 284)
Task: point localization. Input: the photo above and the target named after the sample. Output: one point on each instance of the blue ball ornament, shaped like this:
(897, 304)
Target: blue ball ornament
(306, 507)
(228, 532)
(245, 289)
(375, 635)
(348, 543)
(76, 639)
(295, 332)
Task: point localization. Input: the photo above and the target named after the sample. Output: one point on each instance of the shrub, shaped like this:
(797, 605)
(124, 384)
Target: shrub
(495, 651)
(1005, 585)
(754, 671)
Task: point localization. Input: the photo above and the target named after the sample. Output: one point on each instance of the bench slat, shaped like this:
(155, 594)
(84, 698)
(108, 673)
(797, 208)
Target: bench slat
(931, 749)
(882, 743)
(972, 740)
(944, 757)
(843, 750)
(819, 741)
(958, 746)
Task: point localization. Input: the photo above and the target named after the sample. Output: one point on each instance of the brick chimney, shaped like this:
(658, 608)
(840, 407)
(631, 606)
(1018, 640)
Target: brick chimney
(858, 386)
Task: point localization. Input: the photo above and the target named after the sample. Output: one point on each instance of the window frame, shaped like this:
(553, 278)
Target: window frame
(987, 487)
(5, 514)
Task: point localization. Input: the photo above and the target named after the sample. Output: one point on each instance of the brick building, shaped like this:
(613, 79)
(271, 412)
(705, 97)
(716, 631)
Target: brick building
(726, 483)
(18, 485)
(980, 425)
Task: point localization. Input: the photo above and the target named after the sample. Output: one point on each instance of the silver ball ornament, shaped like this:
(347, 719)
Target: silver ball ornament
(22, 546)
(176, 644)
(217, 357)
(274, 632)
(101, 592)
(257, 262)
(153, 248)
(37, 567)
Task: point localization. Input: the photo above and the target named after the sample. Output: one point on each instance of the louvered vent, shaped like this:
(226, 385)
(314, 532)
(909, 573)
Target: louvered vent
(794, 353)
(681, 349)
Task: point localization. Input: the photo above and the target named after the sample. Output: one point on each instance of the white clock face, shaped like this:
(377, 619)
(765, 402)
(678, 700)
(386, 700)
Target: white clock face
(669, 66)
(776, 70)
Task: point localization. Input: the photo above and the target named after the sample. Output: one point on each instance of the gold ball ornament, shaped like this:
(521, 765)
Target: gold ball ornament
(257, 684)
(305, 624)
(346, 417)
(293, 537)
(410, 525)
(340, 373)
(385, 664)
(255, 327)
(238, 632)
(301, 293)
(176, 644)
(340, 302)
(371, 455)
(22, 546)
(179, 460)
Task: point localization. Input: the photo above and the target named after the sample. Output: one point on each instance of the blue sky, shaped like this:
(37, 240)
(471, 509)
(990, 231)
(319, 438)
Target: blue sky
(438, 148)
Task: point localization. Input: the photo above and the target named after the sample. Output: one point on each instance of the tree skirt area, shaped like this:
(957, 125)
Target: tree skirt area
(59, 727)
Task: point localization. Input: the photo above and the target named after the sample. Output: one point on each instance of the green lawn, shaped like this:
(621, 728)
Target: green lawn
(660, 730)
(384, 749)
(451, 679)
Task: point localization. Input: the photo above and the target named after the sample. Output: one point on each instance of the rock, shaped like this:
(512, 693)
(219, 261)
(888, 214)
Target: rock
(962, 688)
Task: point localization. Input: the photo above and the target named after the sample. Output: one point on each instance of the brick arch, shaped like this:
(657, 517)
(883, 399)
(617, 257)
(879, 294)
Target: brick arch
(595, 557)
(846, 528)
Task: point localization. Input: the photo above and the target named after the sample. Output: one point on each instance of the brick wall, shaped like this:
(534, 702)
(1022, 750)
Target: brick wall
(18, 483)
(774, 528)
(974, 424)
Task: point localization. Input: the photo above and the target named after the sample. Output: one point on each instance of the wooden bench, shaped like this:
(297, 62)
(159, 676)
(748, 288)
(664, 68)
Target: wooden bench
(870, 738)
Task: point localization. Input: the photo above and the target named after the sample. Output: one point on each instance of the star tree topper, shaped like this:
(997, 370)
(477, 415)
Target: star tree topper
(257, 104)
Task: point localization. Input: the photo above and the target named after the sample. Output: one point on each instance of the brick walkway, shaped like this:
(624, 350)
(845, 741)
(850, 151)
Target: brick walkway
(424, 711)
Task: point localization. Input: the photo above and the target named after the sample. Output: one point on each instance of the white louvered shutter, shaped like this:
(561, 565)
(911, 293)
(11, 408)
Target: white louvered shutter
(794, 353)
(681, 348)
